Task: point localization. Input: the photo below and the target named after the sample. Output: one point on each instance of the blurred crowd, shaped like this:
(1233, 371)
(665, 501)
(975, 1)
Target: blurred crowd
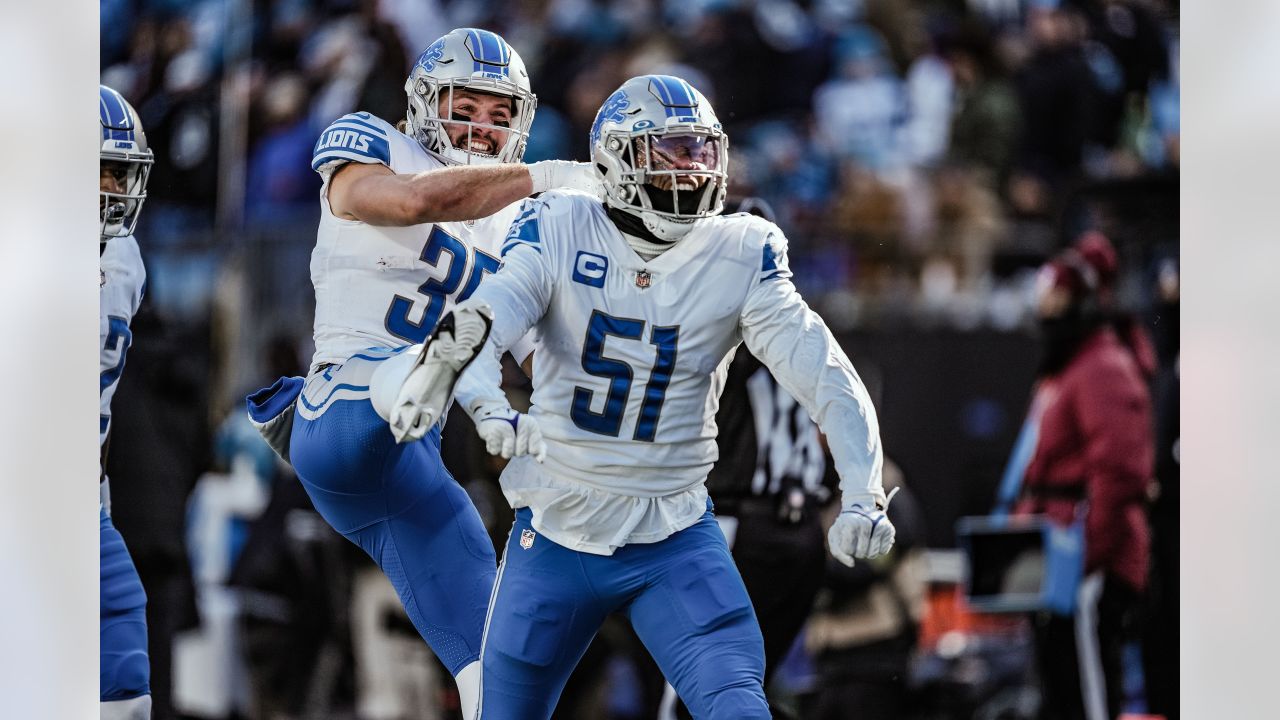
(921, 156)
(924, 157)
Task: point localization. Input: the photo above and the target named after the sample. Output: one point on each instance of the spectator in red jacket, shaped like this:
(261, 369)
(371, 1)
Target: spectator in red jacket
(1094, 455)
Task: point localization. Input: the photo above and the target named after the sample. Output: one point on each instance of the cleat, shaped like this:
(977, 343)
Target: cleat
(428, 388)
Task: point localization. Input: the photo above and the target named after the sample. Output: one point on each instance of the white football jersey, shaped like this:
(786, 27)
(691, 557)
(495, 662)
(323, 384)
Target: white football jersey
(388, 286)
(122, 280)
(632, 355)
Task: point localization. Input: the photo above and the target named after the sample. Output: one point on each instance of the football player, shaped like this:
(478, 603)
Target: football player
(636, 304)
(411, 221)
(125, 165)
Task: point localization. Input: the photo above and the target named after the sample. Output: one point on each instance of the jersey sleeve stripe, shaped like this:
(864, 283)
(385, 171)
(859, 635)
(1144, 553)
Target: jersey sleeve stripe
(353, 120)
(327, 156)
(515, 243)
(353, 126)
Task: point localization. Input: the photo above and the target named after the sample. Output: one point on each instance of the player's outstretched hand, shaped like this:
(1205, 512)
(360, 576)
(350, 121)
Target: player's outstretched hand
(861, 531)
(508, 433)
(549, 174)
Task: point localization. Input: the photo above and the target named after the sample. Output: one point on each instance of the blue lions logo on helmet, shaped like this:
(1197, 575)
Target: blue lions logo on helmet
(427, 60)
(611, 111)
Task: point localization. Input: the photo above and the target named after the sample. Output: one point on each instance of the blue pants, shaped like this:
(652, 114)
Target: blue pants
(683, 596)
(399, 504)
(124, 671)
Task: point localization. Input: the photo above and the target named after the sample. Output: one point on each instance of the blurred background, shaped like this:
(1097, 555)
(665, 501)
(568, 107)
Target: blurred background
(924, 158)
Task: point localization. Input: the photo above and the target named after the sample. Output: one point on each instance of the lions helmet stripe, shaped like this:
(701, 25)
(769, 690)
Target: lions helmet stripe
(488, 52)
(664, 95)
(678, 90)
(117, 124)
(491, 52)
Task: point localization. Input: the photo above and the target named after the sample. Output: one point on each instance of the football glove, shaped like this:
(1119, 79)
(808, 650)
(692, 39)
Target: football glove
(861, 531)
(549, 174)
(508, 433)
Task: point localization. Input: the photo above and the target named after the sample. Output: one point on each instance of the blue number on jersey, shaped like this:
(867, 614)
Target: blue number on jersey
(436, 291)
(119, 338)
(609, 420)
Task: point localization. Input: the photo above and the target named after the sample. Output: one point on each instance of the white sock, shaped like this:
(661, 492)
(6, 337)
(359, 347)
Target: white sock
(468, 679)
(138, 708)
(389, 378)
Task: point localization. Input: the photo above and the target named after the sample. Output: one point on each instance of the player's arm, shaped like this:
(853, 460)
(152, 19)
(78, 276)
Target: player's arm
(355, 155)
(518, 294)
(798, 348)
(795, 344)
(374, 194)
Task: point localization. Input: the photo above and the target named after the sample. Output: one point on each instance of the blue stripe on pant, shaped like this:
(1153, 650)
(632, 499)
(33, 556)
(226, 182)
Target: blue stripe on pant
(683, 596)
(124, 671)
(401, 506)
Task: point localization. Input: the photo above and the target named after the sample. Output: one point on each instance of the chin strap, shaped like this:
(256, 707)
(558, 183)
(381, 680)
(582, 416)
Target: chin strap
(637, 235)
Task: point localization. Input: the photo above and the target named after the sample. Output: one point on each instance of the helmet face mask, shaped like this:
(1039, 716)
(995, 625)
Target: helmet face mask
(125, 160)
(663, 154)
(468, 61)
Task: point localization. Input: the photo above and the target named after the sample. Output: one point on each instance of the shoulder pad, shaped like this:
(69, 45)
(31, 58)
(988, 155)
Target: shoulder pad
(358, 137)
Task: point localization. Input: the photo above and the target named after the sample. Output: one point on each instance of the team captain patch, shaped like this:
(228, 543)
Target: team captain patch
(526, 539)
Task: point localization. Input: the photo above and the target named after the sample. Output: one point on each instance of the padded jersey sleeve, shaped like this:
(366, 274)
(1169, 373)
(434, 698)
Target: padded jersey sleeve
(357, 137)
(519, 294)
(795, 344)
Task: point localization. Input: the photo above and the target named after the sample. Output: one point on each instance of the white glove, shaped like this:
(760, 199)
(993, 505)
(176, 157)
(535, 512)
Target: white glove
(861, 531)
(508, 433)
(548, 174)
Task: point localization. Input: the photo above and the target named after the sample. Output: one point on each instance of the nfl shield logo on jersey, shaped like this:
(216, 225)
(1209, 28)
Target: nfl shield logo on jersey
(526, 539)
(643, 279)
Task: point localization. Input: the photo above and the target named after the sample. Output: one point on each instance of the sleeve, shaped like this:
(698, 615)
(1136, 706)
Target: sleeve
(358, 137)
(519, 294)
(522, 348)
(795, 344)
(1115, 422)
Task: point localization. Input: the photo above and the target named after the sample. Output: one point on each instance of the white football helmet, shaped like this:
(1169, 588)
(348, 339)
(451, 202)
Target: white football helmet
(122, 141)
(480, 61)
(663, 154)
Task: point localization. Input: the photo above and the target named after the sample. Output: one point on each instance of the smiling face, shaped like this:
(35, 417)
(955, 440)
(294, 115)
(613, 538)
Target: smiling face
(489, 115)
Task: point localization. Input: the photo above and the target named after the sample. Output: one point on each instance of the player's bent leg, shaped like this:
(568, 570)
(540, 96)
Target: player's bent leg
(124, 669)
(543, 616)
(400, 505)
(422, 394)
(697, 621)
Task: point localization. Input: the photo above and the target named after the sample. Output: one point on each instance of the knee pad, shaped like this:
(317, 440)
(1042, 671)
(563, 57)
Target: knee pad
(530, 636)
(125, 671)
(738, 703)
(710, 591)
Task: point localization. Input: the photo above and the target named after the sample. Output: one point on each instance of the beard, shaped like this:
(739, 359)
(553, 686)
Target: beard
(662, 200)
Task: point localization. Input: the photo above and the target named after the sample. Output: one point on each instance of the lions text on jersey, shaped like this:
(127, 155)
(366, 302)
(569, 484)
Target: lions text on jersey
(122, 281)
(388, 286)
(631, 359)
